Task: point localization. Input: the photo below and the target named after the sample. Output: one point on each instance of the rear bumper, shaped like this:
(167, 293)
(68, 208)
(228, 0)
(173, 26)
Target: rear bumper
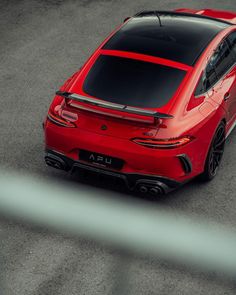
(134, 181)
(180, 164)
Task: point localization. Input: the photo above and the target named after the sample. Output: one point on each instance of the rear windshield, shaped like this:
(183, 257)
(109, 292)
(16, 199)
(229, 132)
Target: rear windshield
(132, 82)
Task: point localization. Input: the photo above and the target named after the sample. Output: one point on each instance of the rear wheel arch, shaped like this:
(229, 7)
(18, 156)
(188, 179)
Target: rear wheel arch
(222, 120)
(214, 151)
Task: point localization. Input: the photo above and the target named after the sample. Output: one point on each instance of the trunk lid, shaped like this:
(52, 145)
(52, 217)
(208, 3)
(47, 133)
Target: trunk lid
(110, 124)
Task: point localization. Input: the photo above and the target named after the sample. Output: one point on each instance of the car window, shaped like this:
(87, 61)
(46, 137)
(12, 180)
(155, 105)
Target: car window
(201, 86)
(232, 43)
(222, 59)
(208, 79)
(132, 82)
(220, 62)
(210, 73)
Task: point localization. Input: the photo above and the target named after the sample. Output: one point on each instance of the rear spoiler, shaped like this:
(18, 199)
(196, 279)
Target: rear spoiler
(113, 106)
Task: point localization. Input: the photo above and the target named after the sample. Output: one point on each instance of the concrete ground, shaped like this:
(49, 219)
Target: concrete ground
(42, 43)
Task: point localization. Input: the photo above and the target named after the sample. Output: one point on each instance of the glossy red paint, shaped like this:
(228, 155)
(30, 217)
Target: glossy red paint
(195, 117)
(147, 58)
(220, 14)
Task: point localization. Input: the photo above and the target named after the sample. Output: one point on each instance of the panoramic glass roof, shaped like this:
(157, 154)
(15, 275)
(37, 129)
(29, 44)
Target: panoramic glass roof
(179, 38)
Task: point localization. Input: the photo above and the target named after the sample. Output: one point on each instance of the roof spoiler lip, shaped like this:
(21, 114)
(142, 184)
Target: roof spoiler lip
(113, 106)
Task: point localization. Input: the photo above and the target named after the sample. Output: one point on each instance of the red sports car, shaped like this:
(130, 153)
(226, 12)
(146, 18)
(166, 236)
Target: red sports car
(153, 105)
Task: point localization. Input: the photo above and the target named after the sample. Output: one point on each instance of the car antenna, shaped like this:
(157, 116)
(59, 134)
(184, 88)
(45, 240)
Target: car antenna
(158, 16)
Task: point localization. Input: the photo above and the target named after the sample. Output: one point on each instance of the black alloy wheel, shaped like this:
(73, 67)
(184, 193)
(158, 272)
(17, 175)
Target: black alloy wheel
(215, 154)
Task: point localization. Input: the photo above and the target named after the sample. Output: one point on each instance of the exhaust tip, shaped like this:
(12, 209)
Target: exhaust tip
(143, 189)
(56, 162)
(155, 190)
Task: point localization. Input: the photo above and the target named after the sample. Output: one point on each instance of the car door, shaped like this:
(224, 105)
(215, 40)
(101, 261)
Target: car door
(220, 75)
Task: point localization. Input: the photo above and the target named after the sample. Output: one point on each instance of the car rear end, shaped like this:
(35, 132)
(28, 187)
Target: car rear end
(120, 148)
(120, 140)
(114, 116)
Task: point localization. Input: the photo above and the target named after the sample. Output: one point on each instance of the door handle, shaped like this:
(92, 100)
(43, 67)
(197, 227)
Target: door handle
(226, 96)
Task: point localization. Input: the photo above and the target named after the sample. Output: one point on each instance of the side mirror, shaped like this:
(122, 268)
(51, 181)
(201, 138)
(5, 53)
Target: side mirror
(127, 18)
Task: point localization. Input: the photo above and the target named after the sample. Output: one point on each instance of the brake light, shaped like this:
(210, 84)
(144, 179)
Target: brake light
(62, 117)
(163, 143)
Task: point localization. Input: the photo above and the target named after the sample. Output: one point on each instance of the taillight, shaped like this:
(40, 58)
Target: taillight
(163, 143)
(62, 117)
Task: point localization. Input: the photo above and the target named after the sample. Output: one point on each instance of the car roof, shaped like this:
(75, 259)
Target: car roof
(180, 37)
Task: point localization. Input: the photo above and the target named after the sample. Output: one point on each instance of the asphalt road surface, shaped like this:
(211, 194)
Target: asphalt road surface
(41, 44)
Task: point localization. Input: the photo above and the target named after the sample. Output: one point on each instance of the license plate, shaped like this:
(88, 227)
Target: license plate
(101, 160)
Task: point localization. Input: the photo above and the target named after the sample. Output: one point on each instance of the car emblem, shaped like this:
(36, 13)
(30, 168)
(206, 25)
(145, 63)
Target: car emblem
(104, 127)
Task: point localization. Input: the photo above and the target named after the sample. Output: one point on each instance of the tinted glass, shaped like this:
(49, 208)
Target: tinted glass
(132, 82)
(210, 75)
(232, 43)
(180, 38)
(223, 59)
(220, 62)
(201, 87)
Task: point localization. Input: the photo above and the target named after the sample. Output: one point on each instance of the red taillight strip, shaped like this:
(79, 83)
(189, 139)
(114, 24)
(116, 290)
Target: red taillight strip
(58, 121)
(147, 58)
(163, 143)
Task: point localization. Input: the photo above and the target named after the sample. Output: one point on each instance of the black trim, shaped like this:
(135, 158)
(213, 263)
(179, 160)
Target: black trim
(55, 161)
(113, 106)
(186, 163)
(132, 180)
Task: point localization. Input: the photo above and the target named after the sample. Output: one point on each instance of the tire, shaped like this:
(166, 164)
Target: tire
(215, 154)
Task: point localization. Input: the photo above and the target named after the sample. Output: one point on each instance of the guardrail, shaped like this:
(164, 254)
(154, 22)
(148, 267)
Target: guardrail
(138, 229)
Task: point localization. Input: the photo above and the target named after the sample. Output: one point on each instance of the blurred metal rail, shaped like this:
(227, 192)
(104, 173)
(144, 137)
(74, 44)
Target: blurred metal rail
(137, 228)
